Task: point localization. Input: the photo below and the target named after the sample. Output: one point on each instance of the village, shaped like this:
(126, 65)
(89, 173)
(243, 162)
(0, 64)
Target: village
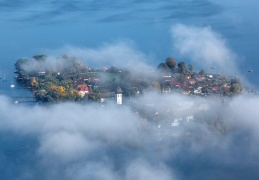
(70, 80)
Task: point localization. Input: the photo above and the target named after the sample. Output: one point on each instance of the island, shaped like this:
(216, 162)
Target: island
(68, 79)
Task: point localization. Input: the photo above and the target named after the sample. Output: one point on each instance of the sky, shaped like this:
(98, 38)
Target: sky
(80, 141)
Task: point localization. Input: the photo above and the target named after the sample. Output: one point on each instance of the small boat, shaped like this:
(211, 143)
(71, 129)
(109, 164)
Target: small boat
(250, 70)
(12, 85)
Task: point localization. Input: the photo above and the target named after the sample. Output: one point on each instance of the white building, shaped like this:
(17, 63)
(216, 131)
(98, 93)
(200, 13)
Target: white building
(118, 95)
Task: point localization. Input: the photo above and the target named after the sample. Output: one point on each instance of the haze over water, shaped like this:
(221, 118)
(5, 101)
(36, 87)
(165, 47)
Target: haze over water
(34, 27)
(78, 141)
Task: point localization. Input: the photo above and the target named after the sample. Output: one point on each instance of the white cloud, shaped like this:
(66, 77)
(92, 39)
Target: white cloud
(120, 54)
(141, 170)
(93, 170)
(79, 141)
(204, 47)
(86, 141)
(66, 146)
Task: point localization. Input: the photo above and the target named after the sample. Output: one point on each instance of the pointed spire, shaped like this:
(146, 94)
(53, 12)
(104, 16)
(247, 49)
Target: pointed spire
(118, 90)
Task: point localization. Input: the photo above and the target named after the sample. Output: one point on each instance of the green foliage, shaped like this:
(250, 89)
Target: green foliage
(171, 63)
(236, 86)
(112, 69)
(20, 63)
(234, 81)
(182, 67)
(163, 67)
(40, 57)
(69, 65)
(191, 68)
(202, 72)
(156, 85)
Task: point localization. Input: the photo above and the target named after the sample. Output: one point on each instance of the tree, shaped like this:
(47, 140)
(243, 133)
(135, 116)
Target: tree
(57, 92)
(40, 57)
(171, 63)
(236, 88)
(70, 65)
(163, 67)
(112, 69)
(182, 67)
(235, 80)
(202, 72)
(20, 63)
(156, 85)
(73, 94)
(191, 68)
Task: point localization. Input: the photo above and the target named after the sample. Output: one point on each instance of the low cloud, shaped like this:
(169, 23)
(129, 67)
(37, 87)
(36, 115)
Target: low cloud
(205, 48)
(50, 63)
(80, 141)
(66, 146)
(119, 54)
(216, 137)
(141, 169)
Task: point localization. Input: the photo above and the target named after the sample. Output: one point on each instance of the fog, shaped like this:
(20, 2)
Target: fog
(123, 53)
(80, 141)
(137, 140)
(207, 50)
(204, 47)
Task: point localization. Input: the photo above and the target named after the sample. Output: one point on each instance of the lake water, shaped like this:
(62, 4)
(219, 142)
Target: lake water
(45, 142)
(34, 27)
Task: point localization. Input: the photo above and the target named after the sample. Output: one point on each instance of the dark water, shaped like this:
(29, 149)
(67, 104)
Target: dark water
(31, 27)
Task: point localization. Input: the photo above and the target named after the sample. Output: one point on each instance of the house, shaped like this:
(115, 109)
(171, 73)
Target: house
(197, 90)
(227, 88)
(166, 87)
(175, 122)
(191, 81)
(176, 84)
(41, 73)
(83, 89)
(187, 76)
(209, 76)
(214, 88)
(200, 78)
(33, 81)
(93, 79)
(189, 118)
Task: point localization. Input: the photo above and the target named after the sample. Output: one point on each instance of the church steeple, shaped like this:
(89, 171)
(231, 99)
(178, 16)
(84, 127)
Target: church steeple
(118, 95)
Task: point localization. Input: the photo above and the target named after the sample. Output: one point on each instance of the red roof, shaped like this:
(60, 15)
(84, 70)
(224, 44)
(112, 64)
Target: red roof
(176, 83)
(192, 81)
(82, 87)
(214, 88)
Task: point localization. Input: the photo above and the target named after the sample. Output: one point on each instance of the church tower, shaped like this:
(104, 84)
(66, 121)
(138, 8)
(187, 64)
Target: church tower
(118, 95)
